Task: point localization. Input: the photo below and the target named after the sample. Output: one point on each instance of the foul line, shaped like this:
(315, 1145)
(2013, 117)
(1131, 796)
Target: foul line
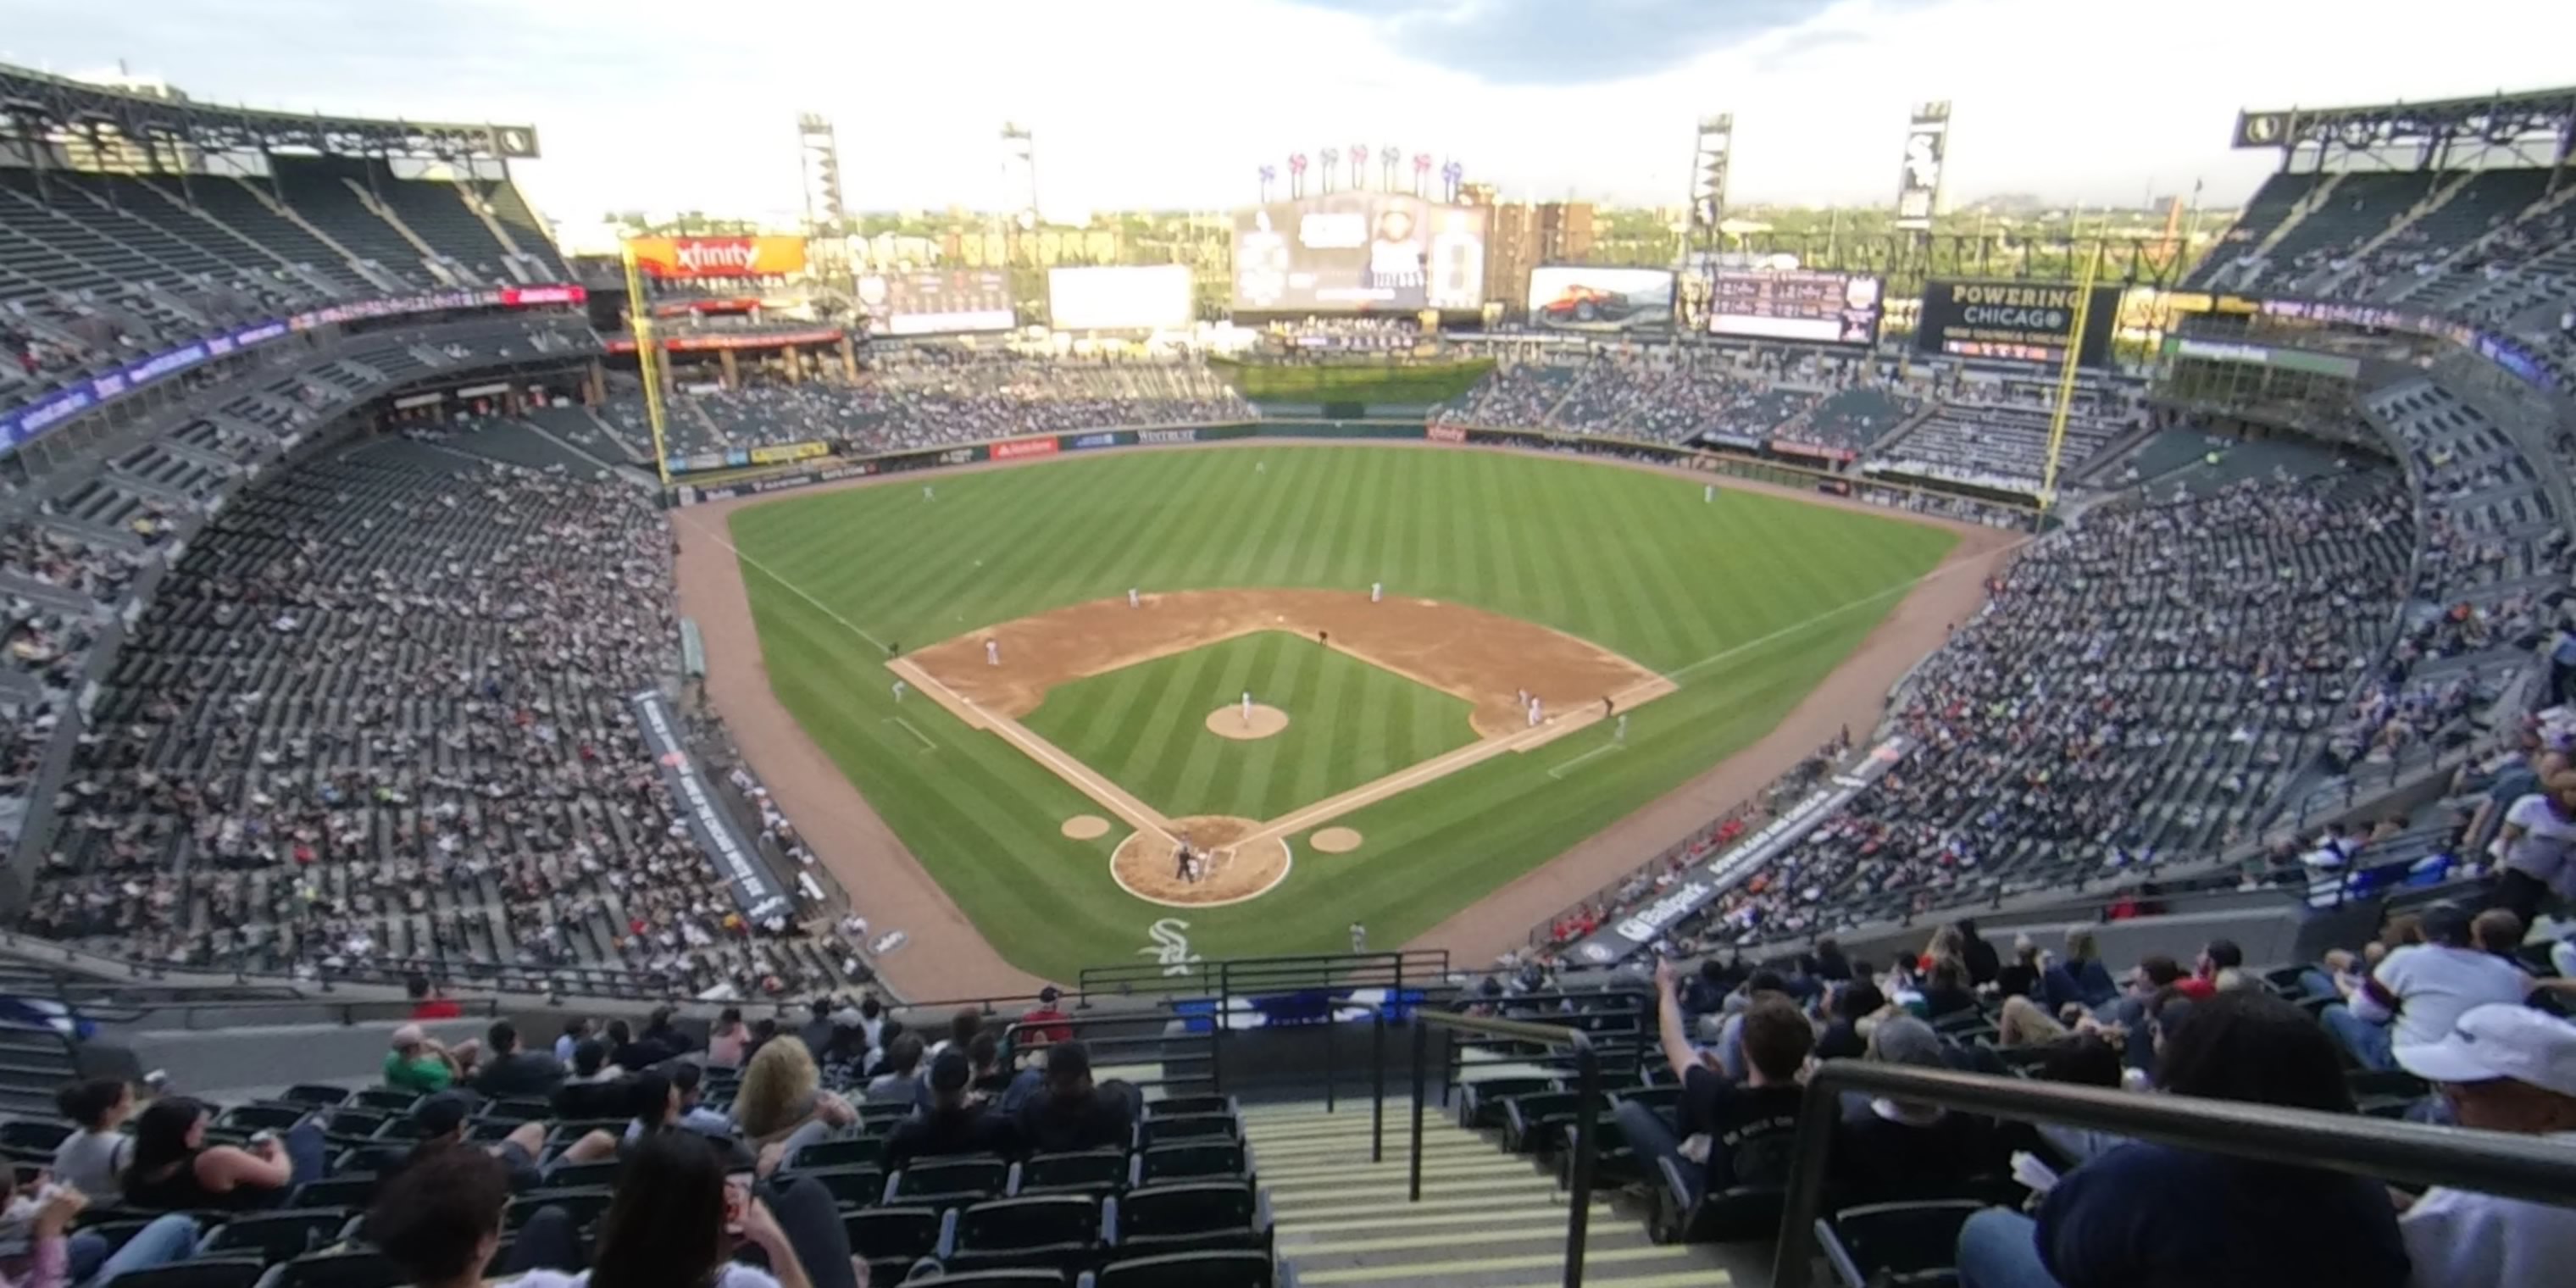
(926, 743)
(792, 587)
(1602, 750)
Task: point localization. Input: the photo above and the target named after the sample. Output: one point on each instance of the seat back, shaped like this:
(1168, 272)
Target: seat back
(200, 1272)
(840, 1153)
(1197, 1158)
(1090, 1171)
(1197, 1215)
(1180, 1127)
(582, 1176)
(277, 1236)
(1191, 1270)
(262, 1117)
(850, 1187)
(1176, 1106)
(1894, 1240)
(520, 1109)
(34, 1133)
(951, 1180)
(350, 1190)
(390, 1099)
(1039, 1221)
(583, 1206)
(365, 1268)
(891, 1239)
(317, 1094)
(1743, 1214)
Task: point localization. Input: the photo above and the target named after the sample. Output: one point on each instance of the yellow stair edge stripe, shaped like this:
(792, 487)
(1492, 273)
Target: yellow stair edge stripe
(1425, 1239)
(1398, 1187)
(1489, 1265)
(1275, 1178)
(1711, 1277)
(1311, 1223)
(1295, 1219)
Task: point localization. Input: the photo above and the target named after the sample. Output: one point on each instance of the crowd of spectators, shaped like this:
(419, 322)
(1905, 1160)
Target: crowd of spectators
(2134, 688)
(380, 710)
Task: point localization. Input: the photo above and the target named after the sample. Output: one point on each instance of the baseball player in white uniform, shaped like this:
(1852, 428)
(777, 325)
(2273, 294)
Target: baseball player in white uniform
(1708, 493)
(925, 492)
(992, 652)
(898, 690)
(1620, 734)
(1132, 599)
(1533, 712)
(1247, 708)
(1377, 591)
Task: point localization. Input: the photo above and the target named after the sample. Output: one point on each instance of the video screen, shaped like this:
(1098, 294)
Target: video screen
(937, 300)
(2015, 321)
(1796, 304)
(1600, 299)
(1351, 252)
(1150, 297)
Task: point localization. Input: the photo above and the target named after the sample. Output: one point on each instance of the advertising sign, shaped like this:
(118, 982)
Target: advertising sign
(937, 300)
(1798, 304)
(1350, 252)
(692, 257)
(1918, 182)
(1600, 299)
(1153, 297)
(1019, 449)
(2014, 321)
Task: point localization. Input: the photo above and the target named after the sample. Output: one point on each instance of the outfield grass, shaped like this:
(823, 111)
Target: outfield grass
(1349, 723)
(1747, 602)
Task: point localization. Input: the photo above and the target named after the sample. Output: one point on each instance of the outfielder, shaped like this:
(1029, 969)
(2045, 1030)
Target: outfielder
(992, 652)
(1247, 708)
(1359, 938)
(1620, 734)
(925, 491)
(898, 690)
(1708, 493)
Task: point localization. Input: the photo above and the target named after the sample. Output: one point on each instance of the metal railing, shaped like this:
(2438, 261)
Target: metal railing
(2514, 1166)
(1232, 976)
(1587, 1106)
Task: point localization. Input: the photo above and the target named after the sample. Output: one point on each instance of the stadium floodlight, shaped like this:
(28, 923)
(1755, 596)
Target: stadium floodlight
(1421, 172)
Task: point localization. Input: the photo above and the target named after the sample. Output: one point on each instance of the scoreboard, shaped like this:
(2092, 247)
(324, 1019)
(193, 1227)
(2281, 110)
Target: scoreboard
(1795, 304)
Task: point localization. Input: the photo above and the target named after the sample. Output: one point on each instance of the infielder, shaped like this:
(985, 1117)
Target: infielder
(898, 690)
(1132, 601)
(1533, 713)
(1377, 591)
(992, 652)
(1247, 708)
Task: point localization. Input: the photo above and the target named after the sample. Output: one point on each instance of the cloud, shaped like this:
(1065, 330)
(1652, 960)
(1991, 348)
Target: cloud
(1562, 42)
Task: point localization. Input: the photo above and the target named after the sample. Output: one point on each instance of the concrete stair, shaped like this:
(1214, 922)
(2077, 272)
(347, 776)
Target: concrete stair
(1487, 1219)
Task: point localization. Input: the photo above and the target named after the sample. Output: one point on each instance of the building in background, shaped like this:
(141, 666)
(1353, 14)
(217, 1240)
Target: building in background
(1527, 234)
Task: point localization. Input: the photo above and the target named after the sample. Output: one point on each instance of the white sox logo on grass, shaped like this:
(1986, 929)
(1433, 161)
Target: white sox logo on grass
(1171, 949)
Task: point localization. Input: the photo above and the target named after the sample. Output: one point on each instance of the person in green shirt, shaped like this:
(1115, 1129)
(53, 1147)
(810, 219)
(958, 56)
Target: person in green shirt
(419, 1062)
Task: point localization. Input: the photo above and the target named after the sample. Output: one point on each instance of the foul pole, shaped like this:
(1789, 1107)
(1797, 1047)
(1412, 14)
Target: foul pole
(648, 358)
(2066, 374)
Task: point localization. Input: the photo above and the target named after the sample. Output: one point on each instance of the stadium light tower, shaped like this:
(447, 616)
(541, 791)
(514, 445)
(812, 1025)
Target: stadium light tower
(1421, 173)
(1709, 164)
(1359, 155)
(1296, 175)
(1388, 158)
(1332, 161)
(1269, 174)
(1020, 174)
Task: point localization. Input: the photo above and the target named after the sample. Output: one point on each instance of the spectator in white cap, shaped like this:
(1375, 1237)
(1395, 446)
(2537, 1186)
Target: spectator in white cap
(2503, 1068)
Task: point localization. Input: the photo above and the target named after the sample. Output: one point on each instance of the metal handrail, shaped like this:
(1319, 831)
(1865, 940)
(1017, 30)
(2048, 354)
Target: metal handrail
(1587, 1142)
(2513, 1166)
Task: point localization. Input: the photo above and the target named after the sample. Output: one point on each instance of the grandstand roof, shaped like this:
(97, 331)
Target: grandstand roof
(2493, 119)
(55, 108)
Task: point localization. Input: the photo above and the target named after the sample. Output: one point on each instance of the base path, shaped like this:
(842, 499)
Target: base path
(1485, 658)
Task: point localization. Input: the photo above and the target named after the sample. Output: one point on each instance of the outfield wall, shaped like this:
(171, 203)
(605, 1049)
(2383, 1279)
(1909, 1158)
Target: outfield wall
(1044, 446)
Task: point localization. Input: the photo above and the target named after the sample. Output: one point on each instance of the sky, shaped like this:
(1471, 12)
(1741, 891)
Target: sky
(1175, 104)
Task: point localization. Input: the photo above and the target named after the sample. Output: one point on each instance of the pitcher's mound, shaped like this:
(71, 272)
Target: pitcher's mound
(1086, 827)
(1228, 722)
(1335, 840)
(1225, 868)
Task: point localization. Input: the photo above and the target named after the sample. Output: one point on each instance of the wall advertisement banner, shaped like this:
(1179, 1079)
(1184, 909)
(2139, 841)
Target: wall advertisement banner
(1702, 884)
(709, 824)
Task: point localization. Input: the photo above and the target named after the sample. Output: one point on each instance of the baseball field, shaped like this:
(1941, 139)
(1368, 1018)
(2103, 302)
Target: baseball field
(1352, 683)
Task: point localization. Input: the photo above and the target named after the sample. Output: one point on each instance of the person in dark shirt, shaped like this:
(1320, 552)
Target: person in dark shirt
(954, 1124)
(1893, 1149)
(1752, 1126)
(1827, 962)
(594, 1090)
(1945, 991)
(1068, 1112)
(509, 1071)
(631, 1053)
(2145, 1214)
(1977, 953)
(2020, 976)
(1844, 1010)
(663, 1034)
(990, 1075)
(818, 1030)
